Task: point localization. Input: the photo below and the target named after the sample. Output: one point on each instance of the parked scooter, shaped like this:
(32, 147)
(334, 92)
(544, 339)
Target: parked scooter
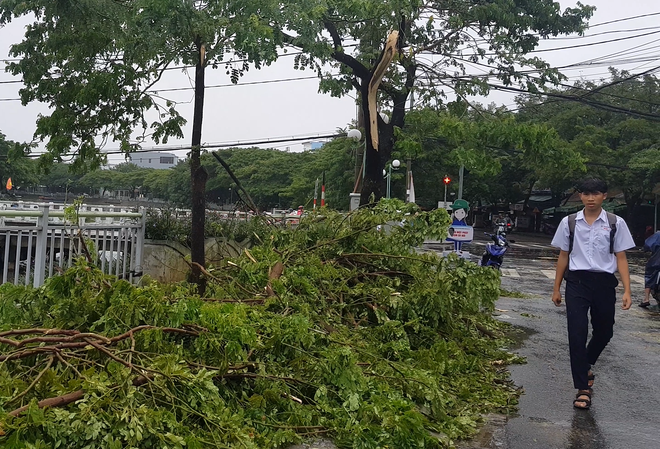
(494, 254)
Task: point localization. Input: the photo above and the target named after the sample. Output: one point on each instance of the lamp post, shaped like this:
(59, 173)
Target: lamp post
(354, 196)
(396, 164)
(356, 135)
(231, 196)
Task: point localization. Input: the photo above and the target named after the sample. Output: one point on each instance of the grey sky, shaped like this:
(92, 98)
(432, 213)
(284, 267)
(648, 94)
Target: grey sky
(286, 109)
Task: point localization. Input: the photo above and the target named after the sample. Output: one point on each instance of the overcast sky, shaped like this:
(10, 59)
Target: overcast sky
(249, 112)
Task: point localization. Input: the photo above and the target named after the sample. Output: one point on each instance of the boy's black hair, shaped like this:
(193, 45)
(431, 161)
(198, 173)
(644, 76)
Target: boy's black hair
(592, 185)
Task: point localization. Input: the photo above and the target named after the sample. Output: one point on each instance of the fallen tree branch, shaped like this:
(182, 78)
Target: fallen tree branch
(234, 301)
(66, 343)
(204, 271)
(35, 381)
(39, 331)
(79, 336)
(66, 399)
(275, 273)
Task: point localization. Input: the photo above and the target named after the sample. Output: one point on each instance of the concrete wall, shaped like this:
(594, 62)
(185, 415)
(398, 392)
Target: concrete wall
(164, 261)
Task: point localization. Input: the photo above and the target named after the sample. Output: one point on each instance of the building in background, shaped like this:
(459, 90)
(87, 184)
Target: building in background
(312, 145)
(153, 159)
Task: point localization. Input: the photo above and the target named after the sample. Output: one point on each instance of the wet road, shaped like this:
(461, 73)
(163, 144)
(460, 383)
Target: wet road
(625, 413)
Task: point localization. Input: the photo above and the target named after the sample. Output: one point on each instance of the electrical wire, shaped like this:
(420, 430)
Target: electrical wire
(237, 143)
(602, 33)
(251, 83)
(599, 88)
(624, 19)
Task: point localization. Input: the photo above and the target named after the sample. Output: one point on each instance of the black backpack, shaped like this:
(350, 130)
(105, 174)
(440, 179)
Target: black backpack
(611, 218)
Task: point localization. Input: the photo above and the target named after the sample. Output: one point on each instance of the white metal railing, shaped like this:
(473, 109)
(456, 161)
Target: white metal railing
(38, 243)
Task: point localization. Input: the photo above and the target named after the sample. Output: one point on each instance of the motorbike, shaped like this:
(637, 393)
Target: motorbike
(494, 254)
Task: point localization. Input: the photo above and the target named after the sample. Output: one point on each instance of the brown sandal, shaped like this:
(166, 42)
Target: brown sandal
(582, 400)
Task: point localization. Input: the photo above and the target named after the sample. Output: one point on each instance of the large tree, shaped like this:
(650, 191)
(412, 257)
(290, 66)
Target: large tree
(431, 46)
(614, 124)
(505, 159)
(96, 64)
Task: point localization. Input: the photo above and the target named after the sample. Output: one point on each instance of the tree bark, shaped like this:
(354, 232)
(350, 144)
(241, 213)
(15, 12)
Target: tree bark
(198, 177)
(66, 399)
(374, 182)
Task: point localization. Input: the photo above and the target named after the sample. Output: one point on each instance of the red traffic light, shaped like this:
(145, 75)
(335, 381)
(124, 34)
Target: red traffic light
(446, 180)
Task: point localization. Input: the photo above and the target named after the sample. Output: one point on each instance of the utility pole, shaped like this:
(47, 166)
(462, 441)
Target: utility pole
(316, 191)
(359, 152)
(409, 161)
(460, 182)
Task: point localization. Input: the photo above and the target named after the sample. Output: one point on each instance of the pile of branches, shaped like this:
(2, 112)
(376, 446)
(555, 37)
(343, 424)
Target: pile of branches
(337, 329)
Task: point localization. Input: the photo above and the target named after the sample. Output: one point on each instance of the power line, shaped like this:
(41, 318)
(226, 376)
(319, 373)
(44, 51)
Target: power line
(252, 83)
(591, 44)
(588, 91)
(624, 19)
(602, 33)
(579, 99)
(628, 51)
(237, 143)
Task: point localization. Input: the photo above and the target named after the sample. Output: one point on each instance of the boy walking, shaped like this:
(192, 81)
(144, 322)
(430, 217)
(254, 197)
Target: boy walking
(592, 247)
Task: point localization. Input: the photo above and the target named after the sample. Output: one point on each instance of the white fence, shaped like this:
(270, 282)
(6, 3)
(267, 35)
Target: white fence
(36, 243)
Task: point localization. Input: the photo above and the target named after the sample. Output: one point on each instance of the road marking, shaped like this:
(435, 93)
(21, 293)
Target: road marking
(510, 272)
(549, 273)
(636, 278)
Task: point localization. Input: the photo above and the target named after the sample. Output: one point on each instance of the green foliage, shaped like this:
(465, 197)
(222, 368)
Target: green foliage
(430, 55)
(360, 338)
(504, 157)
(109, 56)
(173, 225)
(15, 164)
(617, 140)
(513, 293)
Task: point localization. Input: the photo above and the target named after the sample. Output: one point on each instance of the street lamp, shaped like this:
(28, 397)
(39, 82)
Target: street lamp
(396, 164)
(231, 196)
(354, 134)
(354, 202)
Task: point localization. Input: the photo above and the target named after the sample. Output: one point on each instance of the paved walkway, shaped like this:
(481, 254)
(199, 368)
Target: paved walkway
(624, 414)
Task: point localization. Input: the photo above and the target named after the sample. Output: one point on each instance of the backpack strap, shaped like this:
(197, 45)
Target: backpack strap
(612, 219)
(571, 231)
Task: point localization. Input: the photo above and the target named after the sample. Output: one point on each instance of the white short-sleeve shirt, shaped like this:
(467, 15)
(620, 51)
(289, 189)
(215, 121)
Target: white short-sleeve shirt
(591, 244)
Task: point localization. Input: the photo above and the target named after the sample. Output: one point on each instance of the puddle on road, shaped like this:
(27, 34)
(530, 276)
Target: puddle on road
(585, 433)
(518, 335)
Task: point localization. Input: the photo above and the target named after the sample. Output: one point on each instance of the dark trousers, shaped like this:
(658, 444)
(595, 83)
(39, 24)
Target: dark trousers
(588, 293)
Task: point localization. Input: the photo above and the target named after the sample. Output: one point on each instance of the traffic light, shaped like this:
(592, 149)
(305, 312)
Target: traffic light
(446, 179)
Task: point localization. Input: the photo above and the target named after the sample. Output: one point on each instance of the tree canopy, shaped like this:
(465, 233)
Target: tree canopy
(617, 132)
(505, 158)
(435, 43)
(97, 65)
